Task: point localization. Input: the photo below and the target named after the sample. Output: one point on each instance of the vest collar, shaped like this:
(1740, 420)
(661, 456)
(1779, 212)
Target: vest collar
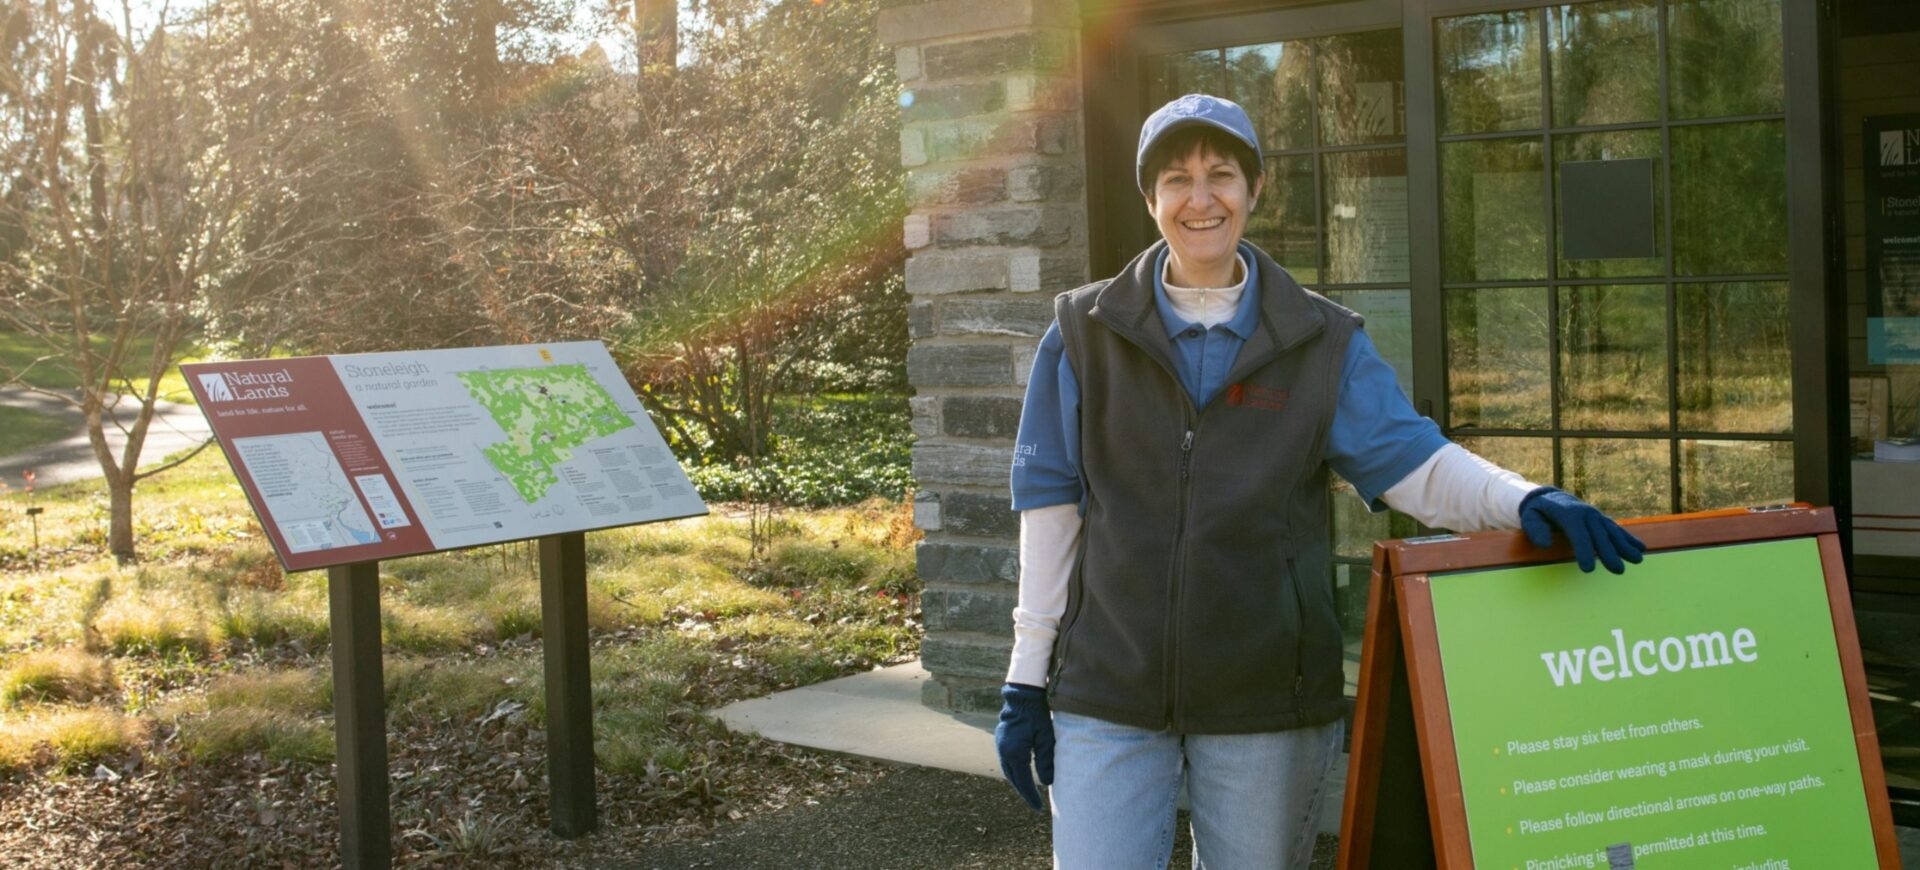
(1287, 316)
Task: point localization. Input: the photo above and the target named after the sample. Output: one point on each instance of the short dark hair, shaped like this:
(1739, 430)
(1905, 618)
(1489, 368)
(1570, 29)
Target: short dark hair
(1204, 138)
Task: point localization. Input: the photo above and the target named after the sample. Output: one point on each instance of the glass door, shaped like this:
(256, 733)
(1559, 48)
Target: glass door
(1613, 249)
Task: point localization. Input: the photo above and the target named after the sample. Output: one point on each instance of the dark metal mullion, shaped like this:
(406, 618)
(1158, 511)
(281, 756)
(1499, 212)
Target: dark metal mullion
(1821, 456)
(1552, 252)
(1646, 280)
(1761, 278)
(1624, 126)
(1623, 435)
(1319, 171)
(1673, 319)
(1341, 149)
(1360, 285)
(1426, 302)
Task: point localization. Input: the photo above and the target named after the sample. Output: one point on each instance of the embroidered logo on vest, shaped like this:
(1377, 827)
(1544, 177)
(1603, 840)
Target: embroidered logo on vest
(1251, 396)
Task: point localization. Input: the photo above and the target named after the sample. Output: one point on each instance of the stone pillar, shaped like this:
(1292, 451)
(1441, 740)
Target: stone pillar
(991, 140)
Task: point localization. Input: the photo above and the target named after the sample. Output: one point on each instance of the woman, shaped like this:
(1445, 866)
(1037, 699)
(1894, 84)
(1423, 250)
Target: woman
(1175, 625)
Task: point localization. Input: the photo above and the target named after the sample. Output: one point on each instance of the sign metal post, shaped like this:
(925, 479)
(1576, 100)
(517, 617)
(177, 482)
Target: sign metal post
(360, 716)
(563, 619)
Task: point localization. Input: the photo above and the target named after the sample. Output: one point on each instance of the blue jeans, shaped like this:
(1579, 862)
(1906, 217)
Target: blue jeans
(1255, 798)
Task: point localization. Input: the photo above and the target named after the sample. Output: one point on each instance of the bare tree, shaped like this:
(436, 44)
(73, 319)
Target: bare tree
(129, 162)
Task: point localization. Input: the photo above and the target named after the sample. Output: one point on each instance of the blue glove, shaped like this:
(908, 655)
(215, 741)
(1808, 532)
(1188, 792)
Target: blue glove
(1024, 739)
(1591, 532)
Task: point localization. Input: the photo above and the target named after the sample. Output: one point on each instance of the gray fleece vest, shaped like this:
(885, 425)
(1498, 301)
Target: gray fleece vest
(1199, 600)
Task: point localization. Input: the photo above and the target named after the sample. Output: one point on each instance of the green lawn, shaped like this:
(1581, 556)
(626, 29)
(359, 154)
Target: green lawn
(209, 640)
(23, 354)
(22, 430)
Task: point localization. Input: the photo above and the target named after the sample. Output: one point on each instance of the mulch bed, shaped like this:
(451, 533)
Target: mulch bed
(463, 794)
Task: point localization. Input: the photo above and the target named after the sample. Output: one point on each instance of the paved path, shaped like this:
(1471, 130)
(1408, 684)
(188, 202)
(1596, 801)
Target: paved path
(175, 428)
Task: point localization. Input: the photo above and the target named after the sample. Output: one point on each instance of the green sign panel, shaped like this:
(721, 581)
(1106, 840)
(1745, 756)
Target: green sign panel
(1691, 712)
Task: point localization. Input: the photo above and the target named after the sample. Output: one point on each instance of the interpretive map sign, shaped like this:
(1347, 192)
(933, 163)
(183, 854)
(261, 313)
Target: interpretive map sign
(1692, 710)
(369, 456)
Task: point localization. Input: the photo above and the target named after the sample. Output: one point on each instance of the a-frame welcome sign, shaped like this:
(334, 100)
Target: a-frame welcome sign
(1706, 709)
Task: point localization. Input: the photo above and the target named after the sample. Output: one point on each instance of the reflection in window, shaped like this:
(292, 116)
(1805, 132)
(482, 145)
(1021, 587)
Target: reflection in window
(1497, 358)
(1271, 82)
(1724, 474)
(1724, 58)
(1489, 72)
(1736, 357)
(1613, 358)
(1493, 193)
(1605, 62)
(1284, 222)
(1366, 217)
(1361, 100)
(1531, 458)
(1190, 72)
(1623, 476)
(1389, 315)
(1730, 198)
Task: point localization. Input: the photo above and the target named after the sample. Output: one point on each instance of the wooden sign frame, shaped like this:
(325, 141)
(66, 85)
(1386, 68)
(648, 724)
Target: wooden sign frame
(1404, 806)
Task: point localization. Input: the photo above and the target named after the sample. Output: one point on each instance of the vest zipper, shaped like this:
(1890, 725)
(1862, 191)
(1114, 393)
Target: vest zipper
(1173, 586)
(1299, 632)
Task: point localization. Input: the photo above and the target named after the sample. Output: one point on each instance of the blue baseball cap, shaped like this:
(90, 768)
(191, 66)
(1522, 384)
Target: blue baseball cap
(1186, 112)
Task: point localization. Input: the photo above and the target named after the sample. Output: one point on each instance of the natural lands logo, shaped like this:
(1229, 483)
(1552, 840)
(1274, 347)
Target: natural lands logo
(242, 386)
(1900, 148)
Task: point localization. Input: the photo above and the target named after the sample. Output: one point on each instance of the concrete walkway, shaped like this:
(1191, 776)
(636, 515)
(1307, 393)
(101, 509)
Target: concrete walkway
(878, 715)
(175, 428)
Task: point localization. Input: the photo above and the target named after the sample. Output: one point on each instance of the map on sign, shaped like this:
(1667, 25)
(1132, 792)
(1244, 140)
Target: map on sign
(370, 456)
(306, 491)
(546, 412)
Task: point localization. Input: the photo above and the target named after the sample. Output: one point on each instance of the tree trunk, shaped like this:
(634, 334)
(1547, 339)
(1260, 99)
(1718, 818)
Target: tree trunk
(120, 518)
(657, 33)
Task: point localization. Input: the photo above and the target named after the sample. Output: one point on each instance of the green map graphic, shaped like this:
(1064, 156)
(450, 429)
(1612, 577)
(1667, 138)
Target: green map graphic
(546, 413)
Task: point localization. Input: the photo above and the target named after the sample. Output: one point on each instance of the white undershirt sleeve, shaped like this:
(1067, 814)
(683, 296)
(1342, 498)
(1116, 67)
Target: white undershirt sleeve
(1049, 536)
(1454, 489)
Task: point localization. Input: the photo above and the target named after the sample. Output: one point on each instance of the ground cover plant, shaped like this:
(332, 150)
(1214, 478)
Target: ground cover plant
(179, 711)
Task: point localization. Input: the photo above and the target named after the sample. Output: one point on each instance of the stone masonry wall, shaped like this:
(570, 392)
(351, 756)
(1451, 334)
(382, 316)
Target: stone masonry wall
(991, 141)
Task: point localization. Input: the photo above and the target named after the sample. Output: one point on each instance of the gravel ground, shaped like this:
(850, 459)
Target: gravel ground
(910, 819)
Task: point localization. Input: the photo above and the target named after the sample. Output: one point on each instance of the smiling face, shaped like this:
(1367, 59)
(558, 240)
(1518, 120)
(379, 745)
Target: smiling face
(1200, 202)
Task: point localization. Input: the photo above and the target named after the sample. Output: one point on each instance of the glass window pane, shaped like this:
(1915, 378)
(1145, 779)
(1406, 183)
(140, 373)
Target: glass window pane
(1361, 88)
(1736, 357)
(1366, 217)
(1613, 358)
(1181, 73)
(1531, 458)
(1389, 315)
(1730, 199)
(1605, 64)
(1724, 474)
(1626, 477)
(1285, 222)
(1493, 197)
(1612, 145)
(1724, 58)
(1489, 68)
(1354, 527)
(1271, 82)
(1497, 358)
